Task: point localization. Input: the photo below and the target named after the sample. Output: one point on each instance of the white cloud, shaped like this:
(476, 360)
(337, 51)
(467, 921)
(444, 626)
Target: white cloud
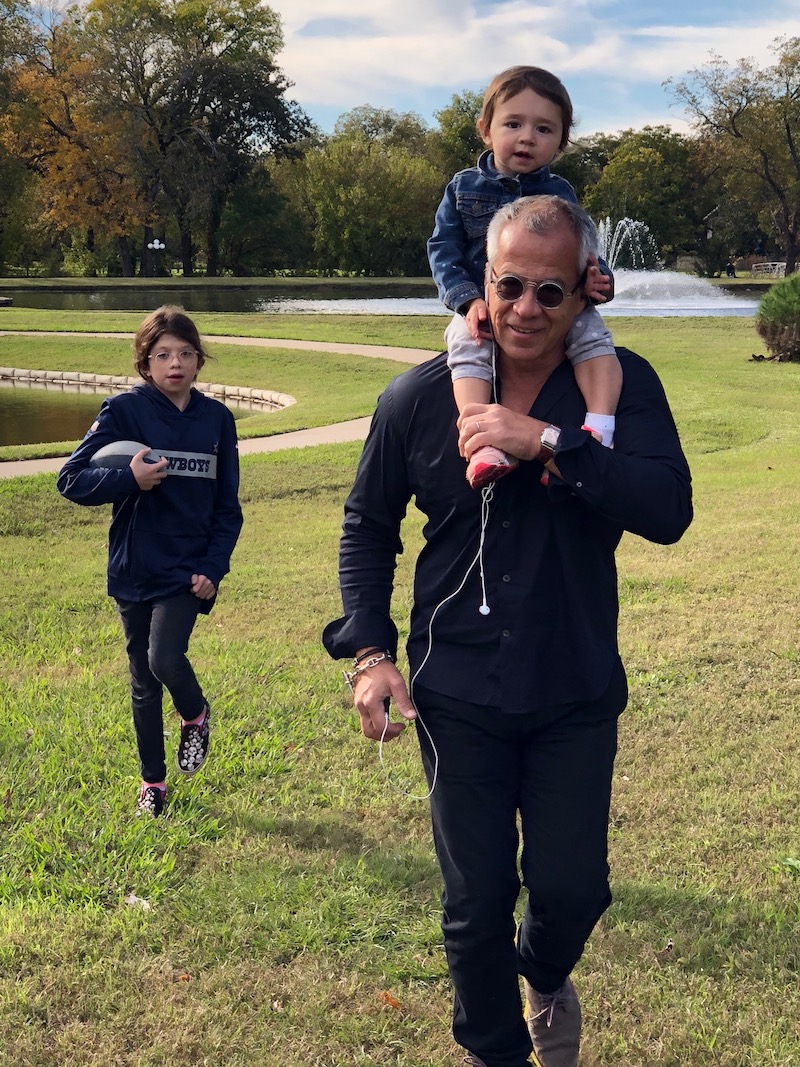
(386, 53)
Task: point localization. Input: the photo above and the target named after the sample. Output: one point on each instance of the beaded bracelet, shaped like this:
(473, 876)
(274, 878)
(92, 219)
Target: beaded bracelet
(351, 677)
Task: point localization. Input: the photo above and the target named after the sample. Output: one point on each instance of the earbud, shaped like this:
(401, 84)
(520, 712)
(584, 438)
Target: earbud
(484, 609)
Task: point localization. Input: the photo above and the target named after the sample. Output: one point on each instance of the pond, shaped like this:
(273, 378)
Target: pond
(639, 293)
(33, 416)
(199, 299)
(29, 416)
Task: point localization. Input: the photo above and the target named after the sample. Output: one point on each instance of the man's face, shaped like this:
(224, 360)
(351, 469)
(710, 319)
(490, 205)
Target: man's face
(524, 330)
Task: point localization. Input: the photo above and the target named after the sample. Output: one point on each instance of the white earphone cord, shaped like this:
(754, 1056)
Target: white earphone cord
(486, 498)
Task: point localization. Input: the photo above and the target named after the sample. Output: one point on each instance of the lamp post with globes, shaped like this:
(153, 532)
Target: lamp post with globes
(156, 246)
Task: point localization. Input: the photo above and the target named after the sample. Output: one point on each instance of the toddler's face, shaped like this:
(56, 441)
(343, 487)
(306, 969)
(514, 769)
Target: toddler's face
(524, 134)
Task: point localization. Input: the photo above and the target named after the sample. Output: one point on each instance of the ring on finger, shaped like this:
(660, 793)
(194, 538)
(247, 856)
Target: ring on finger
(477, 427)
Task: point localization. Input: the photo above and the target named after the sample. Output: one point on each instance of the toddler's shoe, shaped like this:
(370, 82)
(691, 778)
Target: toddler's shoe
(487, 465)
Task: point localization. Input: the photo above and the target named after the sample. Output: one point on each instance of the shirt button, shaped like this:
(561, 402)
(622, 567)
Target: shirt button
(579, 485)
(506, 577)
(506, 633)
(506, 524)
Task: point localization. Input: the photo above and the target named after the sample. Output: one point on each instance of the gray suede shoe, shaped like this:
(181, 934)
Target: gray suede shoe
(554, 1023)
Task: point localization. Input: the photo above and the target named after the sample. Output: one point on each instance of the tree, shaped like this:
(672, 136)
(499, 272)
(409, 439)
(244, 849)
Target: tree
(728, 226)
(56, 126)
(458, 144)
(262, 230)
(585, 159)
(374, 204)
(291, 181)
(135, 111)
(384, 126)
(648, 178)
(753, 116)
(778, 319)
(204, 98)
(365, 197)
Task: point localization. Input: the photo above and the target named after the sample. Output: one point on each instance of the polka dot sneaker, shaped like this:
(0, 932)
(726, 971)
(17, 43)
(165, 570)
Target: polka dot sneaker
(151, 800)
(193, 745)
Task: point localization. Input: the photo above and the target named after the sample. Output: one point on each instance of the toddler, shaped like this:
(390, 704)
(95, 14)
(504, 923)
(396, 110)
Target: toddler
(525, 123)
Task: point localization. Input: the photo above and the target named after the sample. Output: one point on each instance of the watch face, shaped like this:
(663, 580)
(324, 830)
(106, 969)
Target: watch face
(550, 436)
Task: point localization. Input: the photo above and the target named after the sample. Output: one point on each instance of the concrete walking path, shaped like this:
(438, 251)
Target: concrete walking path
(354, 430)
(400, 355)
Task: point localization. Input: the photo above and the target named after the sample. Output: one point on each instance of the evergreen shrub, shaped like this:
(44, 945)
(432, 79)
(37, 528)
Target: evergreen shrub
(778, 319)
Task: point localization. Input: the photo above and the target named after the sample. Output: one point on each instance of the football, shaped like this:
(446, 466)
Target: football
(119, 454)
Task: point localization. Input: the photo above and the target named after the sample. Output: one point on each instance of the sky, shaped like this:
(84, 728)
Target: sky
(612, 55)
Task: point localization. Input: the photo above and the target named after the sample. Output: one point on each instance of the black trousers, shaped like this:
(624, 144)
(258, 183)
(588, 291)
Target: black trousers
(555, 774)
(157, 636)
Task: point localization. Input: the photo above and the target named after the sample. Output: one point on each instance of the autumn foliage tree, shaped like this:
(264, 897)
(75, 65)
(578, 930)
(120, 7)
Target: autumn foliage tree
(133, 112)
(58, 124)
(203, 98)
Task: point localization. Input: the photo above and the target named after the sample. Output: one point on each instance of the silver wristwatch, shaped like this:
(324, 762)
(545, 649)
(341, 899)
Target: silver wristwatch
(548, 443)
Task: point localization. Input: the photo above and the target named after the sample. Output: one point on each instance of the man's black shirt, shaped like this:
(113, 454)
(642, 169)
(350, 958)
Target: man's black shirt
(550, 637)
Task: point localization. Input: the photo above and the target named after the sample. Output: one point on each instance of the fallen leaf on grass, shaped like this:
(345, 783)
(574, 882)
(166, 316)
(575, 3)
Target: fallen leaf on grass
(137, 902)
(387, 998)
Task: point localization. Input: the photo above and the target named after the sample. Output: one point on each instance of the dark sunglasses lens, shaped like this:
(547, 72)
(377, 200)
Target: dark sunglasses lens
(549, 295)
(509, 287)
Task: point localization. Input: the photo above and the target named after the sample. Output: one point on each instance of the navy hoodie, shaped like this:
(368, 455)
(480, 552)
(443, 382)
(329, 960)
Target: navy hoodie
(189, 524)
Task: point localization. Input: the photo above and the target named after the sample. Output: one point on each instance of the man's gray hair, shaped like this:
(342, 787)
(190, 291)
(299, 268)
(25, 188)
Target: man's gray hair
(543, 215)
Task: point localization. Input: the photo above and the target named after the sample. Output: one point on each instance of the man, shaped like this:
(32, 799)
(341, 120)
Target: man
(515, 674)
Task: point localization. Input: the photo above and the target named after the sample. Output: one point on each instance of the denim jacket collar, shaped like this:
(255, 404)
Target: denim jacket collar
(527, 183)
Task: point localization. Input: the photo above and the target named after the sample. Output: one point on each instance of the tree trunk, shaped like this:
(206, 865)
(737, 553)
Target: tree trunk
(212, 237)
(186, 252)
(212, 254)
(792, 248)
(126, 257)
(148, 256)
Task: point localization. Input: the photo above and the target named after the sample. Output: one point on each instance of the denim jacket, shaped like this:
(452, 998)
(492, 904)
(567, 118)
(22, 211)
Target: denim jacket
(457, 247)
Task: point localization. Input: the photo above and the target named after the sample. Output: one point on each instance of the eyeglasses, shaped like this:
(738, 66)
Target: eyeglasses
(548, 295)
(186, 355)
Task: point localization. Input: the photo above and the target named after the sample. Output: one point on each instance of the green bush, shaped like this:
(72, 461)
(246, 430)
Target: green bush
(778, 319)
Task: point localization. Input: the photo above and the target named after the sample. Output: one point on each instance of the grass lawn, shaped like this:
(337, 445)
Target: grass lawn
(285, 913)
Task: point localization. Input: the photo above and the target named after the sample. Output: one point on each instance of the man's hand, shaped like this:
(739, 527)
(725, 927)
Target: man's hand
(148, 475)
(477, 319)
(202, 587)
(492, 424)
(597, 286)
(373, 691)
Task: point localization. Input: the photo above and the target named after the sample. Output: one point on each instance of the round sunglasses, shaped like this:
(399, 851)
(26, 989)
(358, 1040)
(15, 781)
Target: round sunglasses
(548, 295)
